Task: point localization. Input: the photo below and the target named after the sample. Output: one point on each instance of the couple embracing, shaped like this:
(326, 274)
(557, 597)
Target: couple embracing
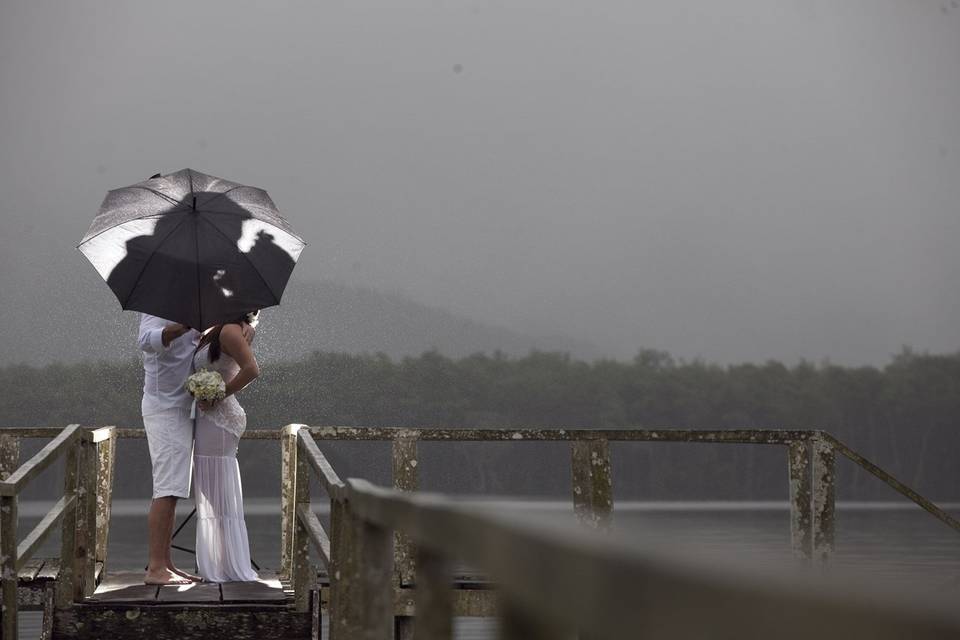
(203, 447)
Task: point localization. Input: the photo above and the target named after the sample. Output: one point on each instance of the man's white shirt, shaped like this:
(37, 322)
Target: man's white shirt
(165, 368)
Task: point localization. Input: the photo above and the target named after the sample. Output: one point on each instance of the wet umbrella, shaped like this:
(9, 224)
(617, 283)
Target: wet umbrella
(192, 248)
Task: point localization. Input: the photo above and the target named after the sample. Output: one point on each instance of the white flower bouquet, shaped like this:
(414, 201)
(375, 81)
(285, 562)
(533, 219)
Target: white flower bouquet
(206, 385)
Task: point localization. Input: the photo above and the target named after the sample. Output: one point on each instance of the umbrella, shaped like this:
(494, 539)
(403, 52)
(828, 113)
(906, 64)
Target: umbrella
(192, 248)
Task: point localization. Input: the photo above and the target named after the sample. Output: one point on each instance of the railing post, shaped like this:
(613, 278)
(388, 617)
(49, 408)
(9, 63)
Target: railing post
(362, 604)
(303, 577)
(434, 597)
(84, 559)
(9, 461)
(592, 484)
(106, 461)
(9, 455)
(8, 566)
(824, 499)
(288, 512)
(372, 573)
(341, 548)
(799, 465)
(404, 565)
(68, 533)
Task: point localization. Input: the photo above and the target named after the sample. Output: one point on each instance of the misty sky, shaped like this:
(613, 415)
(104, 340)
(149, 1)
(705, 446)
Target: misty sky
(732, 180)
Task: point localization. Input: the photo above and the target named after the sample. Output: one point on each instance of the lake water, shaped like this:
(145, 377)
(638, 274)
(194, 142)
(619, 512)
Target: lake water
(897, 543)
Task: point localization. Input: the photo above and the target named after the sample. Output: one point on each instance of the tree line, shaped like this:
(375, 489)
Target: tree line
(903, 416)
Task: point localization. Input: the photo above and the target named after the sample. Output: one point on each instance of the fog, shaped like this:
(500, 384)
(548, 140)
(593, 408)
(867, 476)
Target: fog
(735, 180)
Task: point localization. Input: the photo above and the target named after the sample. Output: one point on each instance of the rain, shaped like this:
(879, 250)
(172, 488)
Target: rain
(526, 215)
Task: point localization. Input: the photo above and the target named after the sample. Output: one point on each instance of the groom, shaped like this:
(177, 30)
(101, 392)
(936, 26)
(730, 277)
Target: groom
(167, 359)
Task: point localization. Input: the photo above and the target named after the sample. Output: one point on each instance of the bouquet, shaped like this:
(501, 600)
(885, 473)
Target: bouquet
(206, 385)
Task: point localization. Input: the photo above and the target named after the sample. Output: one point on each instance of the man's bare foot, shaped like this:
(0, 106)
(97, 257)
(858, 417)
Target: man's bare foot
(185, 574)
(165, 576)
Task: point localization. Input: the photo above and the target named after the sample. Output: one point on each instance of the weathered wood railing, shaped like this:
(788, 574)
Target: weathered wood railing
(83, 510)
(811, 472)
(811, 465)
(550, 583)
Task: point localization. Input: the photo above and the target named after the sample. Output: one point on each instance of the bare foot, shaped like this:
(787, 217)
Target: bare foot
(185, 574)
(165, 576)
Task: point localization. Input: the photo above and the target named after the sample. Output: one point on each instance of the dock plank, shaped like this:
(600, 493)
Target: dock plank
(124, 586)
(267, 589)
(30, 570)
(50, 570)
(198, 592)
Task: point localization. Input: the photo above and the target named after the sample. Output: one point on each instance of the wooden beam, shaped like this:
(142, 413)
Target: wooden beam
(9, 454)
(434, 597)
(106, 443)
(892, 482)
(288, 505)
(329, 479)
(8, 566)
(301, 570)
(43, 459)
(68, 529)
(405, 478)
(85, 542)
(315, 533)
(563, 434)
(799, 468)
(602, 586)
(39, 533)
(824, 499)
(592, 483)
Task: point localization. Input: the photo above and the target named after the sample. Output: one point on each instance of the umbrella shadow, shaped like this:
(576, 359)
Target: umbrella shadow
(206, 260)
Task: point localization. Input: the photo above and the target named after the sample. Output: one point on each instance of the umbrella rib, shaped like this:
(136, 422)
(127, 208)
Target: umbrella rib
(253, 266)
(120, 224)
(196, 241)
(123, 303)
(155, 215)
(223, 193)
(156, 193)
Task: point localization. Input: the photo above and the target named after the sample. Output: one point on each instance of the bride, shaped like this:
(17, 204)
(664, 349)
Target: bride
(223, 551)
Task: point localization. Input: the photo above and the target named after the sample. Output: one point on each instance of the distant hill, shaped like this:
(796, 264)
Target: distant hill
(79, 319)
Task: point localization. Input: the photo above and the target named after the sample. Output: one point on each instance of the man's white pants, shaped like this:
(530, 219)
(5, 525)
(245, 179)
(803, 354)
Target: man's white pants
(170, 439)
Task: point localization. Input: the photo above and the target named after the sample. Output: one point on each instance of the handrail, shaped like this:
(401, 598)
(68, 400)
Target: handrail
(316, 533)
(895, 484)
(40, 461)
(328, 477)
(43, 528)
(76, 509)
(456, 434)
(546, 573)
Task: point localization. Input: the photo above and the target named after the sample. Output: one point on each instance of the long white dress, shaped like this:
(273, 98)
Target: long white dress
(223, 550)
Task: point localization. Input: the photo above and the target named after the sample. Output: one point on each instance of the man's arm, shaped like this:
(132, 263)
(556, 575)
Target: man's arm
(155, 335)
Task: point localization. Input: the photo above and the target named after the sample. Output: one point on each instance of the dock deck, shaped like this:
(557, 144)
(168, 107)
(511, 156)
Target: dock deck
(123, 607)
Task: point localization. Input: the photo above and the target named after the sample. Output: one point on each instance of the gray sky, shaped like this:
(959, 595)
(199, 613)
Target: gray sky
(735, 180)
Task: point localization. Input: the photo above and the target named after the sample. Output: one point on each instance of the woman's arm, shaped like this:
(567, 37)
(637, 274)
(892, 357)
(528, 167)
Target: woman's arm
(234, 344)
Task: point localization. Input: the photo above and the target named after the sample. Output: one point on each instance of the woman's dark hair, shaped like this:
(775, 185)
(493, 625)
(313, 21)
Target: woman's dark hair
(212, 338)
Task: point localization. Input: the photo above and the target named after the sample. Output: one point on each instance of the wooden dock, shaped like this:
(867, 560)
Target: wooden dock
(386, 566)
(263, 610)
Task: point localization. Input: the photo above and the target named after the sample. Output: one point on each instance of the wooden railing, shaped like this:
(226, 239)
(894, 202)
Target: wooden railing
(552, 583)
(90, 458)
(811, 473)
(83, 510)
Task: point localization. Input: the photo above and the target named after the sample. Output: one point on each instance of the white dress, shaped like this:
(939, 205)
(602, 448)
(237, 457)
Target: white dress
(223, 550)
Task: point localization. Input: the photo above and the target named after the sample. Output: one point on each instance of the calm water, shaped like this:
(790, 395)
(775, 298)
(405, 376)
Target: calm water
(897, 543)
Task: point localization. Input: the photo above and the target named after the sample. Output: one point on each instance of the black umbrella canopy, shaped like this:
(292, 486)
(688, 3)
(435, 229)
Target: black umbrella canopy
(192, 248)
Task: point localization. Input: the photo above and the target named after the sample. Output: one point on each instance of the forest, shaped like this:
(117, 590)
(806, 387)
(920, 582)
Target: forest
(903, 416)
